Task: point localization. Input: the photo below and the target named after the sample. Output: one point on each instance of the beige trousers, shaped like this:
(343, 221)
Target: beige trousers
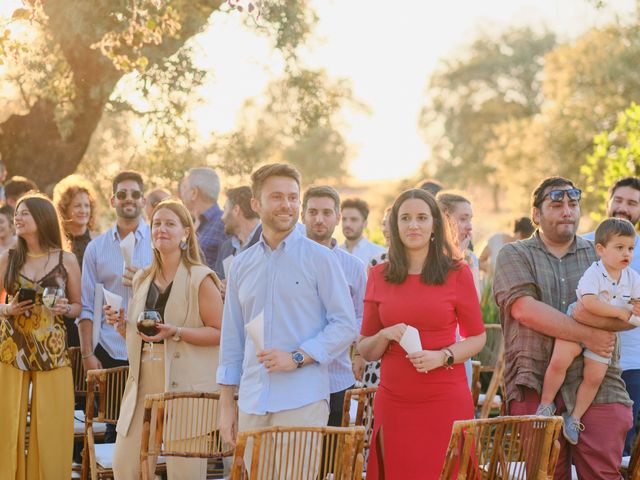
(126, 458)
(313, 415)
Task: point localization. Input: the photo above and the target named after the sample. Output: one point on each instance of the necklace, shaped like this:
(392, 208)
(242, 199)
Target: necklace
(38, 255)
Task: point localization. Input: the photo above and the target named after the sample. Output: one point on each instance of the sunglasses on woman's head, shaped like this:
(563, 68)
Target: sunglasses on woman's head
(122, 194)
(558, 195)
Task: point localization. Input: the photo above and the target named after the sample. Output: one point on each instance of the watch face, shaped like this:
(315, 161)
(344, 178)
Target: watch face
(298, 357)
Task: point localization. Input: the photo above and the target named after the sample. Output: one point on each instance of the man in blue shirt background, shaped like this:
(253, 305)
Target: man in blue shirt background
(199, 191)
(298, 288)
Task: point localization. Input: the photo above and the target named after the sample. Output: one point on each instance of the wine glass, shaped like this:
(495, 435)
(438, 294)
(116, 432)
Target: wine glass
(49, 298)
(148, 325)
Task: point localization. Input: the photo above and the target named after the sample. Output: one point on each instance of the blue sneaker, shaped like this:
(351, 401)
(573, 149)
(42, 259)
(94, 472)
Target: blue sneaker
(571, 428)
(546, 410)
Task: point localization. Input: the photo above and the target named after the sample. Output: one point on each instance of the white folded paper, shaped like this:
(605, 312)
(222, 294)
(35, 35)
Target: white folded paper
(255, 330)
(634, 320)
(410, 341)
(226, 265)
(126, 247)
(112, 299)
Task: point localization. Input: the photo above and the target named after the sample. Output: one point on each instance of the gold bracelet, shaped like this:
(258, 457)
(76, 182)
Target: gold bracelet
(84, 357)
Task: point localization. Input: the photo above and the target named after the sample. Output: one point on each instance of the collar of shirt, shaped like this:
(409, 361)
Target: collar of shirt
(210, 214)
(578, 243)
(286, 244)
(142, 231)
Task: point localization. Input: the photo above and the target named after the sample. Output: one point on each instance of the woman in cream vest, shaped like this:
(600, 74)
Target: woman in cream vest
(188, 292)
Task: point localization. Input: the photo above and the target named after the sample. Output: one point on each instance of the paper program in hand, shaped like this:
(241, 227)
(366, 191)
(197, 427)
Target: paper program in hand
(410, 340)
(226, 265)
(126, 247)
(255, 330)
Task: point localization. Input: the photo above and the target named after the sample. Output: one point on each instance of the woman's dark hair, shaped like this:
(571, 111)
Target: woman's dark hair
(442, 256)
(50, 235)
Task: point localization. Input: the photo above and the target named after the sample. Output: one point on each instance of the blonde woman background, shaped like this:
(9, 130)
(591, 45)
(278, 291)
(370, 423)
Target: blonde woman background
(186, 294)
(32, 346)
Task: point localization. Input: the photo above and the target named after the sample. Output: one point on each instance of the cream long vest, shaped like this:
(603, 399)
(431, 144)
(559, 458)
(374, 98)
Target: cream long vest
(187, 367)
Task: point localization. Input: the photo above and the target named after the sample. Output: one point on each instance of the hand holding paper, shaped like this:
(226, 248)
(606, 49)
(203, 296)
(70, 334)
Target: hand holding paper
(114, 301)
(126, 247)
(255, 330)
(410, 341)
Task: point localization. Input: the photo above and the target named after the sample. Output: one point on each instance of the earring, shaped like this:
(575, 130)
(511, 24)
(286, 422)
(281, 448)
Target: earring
(433, 237)
(183, 244)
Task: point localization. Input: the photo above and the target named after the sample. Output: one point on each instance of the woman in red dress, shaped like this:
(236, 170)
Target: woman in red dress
(420, 395)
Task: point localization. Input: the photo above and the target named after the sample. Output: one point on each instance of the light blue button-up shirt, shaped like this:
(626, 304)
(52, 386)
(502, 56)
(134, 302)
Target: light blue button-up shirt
(103, 263)
(340, 370)
(304, 297)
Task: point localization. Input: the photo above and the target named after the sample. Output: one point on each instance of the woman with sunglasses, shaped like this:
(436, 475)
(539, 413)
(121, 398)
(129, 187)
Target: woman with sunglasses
(186, 294)
(32, 345)
(426, 286)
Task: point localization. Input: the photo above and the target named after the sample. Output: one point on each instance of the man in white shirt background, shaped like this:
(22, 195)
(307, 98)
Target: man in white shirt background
(355, 213)
(624, 202)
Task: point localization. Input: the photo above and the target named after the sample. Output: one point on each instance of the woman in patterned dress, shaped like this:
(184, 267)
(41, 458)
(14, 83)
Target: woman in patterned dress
(35, 373)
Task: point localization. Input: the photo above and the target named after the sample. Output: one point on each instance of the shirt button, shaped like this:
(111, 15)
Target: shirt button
(562, 279)
(176, 355)
(174, 384)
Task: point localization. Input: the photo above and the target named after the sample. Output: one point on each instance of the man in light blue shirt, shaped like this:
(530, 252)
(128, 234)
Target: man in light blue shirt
(320, 215)
(624, 202)
(103, 266)
(297, 288)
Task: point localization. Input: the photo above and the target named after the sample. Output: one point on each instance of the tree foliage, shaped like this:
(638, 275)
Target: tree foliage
(493, 80)
(67, 67)
(616, 153)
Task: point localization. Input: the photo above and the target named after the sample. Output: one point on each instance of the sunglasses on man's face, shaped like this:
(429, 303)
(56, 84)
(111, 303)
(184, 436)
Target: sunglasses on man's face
(122, 194)
(558, 195)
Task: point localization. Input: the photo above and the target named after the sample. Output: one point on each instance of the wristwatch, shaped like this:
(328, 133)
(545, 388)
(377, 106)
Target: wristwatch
(448, 358)
(178, 335)
(298, 358)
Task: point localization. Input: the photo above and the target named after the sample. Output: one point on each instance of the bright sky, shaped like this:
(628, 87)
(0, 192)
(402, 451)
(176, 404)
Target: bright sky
(387, 53)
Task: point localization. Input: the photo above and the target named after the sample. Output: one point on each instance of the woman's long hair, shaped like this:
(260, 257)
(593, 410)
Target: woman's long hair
(50, 235)
(191, 254)
(442, 256)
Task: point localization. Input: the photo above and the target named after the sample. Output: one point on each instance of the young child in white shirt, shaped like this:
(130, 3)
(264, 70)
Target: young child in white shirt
(605, 289)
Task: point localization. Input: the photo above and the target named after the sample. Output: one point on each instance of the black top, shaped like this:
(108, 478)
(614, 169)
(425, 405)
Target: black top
(79, 245)
(157, 300)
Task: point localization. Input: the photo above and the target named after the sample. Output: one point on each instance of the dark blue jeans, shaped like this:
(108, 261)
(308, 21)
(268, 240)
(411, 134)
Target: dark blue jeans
(632, 380)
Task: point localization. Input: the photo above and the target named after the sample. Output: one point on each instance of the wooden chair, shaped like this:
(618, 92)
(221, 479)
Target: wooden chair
(362, 415)
(491, 401)
(516, 448)
(295, 453)
(630, 467)
(181, 424)
(476, 367)
(107, 387)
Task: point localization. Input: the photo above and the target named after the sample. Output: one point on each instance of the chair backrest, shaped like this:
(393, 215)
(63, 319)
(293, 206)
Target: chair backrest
(181, 424)
(497, 381)
(476, 367)
(518, 448)
(107, 386)
(296, 453)
(633, 470)
(364, 414)
(79, 377)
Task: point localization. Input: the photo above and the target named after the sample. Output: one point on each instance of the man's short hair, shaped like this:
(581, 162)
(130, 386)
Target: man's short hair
(156, 195)
(430, 185)
(448, 201)
(128, 175)
(358, 204)
(272, 170)
(538, 194)
(17, 186)
(632, 182)
(319, 192)
(241, 196)
(612, 227)
(523, 225)
(206, 180)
